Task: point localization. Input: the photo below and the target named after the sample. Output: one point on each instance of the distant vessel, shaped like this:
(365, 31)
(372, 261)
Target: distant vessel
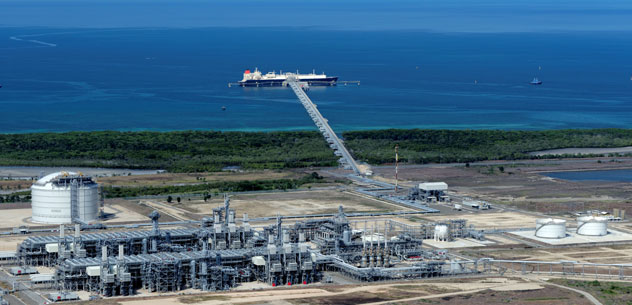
(270, 79)
(536, 81)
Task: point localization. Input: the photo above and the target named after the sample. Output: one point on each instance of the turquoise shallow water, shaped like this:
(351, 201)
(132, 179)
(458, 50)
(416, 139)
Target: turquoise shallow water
(93, 75)
(621, 175)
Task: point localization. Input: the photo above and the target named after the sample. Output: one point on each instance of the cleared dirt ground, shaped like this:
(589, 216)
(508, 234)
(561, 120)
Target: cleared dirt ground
(119, 210)
(303, 202)
(520, 184)
(123, 211)
(455, 291)
(15, 218)
(293, 203)
(173, 178)
(548, 295)
(620, 254)
(10, 243)
(189, 178)
(498, 220)
(134, 210)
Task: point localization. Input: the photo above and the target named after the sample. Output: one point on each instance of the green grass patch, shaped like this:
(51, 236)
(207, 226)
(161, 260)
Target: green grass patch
(609, 293)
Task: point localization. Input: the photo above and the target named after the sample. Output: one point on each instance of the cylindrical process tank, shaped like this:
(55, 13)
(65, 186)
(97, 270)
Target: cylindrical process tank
(441, 232)
(52, 201)
(346, 236)
(592, 226)
(550, 228)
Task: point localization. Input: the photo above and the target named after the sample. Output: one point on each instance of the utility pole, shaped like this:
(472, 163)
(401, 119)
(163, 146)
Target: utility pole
(396, 166)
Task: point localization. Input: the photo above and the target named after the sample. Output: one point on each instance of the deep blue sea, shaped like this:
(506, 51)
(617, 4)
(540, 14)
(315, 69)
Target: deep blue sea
(620, 175)
(420, 66)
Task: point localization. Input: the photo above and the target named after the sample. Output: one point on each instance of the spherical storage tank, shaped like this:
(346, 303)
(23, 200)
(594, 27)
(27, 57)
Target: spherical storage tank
(550, 228)
(592, 226)
(54, 195)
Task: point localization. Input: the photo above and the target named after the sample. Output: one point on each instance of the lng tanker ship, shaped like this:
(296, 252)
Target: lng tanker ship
(257, 79)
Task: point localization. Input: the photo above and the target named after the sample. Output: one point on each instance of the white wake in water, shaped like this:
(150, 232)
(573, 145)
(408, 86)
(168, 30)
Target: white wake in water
(43, 43)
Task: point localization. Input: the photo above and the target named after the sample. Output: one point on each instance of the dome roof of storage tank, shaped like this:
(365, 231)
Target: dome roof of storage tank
(48, 178)
(550, 221)
(592, 218)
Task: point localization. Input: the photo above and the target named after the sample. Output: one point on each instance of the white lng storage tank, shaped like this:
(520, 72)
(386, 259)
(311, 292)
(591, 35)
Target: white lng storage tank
(592, 226)
(60, 197)
(550, 228)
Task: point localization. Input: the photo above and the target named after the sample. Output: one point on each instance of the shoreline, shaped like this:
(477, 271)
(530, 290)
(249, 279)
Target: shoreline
(312, 128)
(582, 170)
(583, 151)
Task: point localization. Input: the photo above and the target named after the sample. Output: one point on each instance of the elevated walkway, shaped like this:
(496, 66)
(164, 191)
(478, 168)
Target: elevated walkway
(346, 160)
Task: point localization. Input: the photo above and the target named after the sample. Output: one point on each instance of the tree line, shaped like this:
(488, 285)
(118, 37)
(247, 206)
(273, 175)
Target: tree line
(177, 151)
(440, 146)
(202, 151)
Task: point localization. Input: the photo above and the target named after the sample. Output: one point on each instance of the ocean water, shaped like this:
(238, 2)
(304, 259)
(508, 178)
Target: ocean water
(467, 68)
(619, 175)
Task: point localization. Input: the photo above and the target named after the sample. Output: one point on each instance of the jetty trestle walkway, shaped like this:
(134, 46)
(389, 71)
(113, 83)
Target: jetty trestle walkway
(346, 160)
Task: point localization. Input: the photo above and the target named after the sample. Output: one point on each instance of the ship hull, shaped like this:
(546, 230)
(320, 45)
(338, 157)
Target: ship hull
(328, 81)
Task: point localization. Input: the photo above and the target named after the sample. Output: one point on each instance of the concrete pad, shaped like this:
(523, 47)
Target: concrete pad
(15, 217)
(302, 202)
(574, 238)
(457, 243)
(122, 214)
(500, 239)
(490, 220)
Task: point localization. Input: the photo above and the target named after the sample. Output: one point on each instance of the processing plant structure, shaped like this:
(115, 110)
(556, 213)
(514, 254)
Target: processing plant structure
(220, 253)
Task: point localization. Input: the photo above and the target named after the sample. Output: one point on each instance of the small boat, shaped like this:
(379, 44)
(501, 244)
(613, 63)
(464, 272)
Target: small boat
(536, 81)
(223, 108)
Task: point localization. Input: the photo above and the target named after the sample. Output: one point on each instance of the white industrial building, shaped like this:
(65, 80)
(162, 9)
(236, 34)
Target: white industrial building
(430, 192)
(62, 197)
